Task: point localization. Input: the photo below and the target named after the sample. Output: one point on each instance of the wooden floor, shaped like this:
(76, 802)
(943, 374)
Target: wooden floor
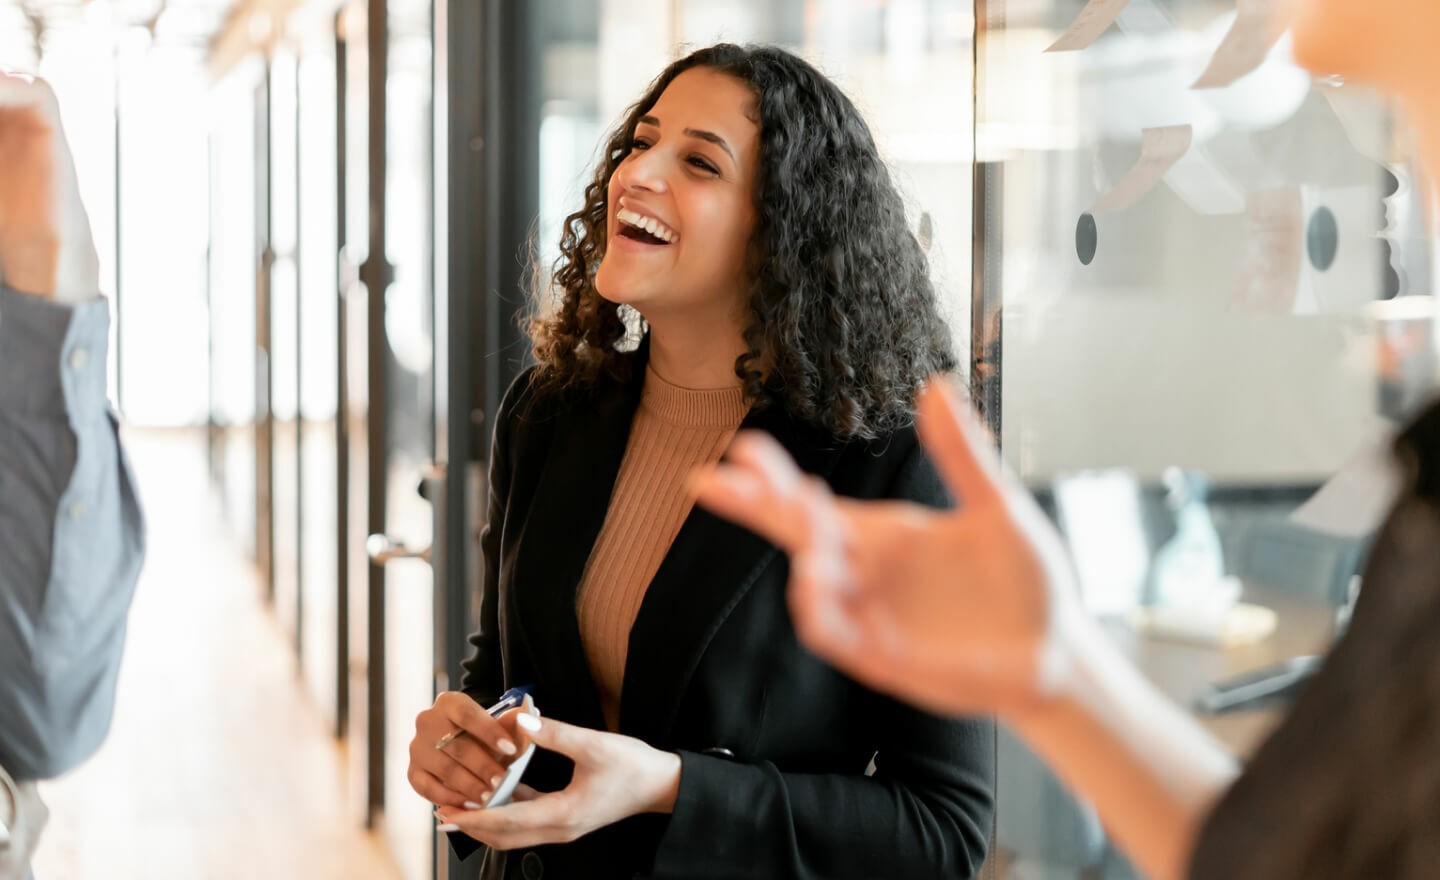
(218, 766)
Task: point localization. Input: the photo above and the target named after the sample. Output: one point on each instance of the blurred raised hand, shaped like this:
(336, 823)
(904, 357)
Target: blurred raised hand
(46, 248)
(959, 611)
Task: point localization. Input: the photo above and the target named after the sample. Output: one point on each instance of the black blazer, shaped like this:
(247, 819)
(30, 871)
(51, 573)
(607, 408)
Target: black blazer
(774, 743)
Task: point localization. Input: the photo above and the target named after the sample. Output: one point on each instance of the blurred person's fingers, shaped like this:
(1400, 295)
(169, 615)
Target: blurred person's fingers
(18, 90)
(759, 487)
(46, 247)
(818, 608)
(31, 815)
(958, 444)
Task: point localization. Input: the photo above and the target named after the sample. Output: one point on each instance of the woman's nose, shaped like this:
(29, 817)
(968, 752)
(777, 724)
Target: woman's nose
(642, 170)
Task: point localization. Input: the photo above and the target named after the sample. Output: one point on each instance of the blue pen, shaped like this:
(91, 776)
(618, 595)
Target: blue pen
(508, 700)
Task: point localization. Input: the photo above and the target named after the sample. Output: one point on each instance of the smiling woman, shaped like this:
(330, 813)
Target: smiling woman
(838, 312)
(742, 215)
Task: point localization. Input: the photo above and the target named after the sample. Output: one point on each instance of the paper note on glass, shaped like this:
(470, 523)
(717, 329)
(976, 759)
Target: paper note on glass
(1093, 20)
(1270, 263)
(1160, 149)
(1257, 28)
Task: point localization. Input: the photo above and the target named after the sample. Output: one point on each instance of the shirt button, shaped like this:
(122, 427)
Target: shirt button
(77, 509)
(79, 357)
(532, 867)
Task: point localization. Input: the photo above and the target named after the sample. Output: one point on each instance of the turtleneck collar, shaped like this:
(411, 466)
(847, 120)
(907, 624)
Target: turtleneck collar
(693, 407)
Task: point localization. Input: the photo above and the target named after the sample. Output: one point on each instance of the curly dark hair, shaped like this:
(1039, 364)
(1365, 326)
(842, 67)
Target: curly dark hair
(842, 311)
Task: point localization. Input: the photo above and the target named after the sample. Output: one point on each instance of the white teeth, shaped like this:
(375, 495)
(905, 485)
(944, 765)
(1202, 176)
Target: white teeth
(649, 224)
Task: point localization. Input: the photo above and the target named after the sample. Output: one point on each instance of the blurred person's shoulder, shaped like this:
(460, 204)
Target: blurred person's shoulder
(1349, 785)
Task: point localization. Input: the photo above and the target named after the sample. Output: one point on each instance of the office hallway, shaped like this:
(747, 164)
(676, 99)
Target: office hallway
(218, 765)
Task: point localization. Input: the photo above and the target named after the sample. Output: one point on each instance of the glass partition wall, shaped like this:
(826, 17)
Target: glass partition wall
(1193, 260)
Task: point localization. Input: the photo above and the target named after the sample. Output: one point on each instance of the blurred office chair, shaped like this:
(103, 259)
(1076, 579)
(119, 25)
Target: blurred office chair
(1285, 555)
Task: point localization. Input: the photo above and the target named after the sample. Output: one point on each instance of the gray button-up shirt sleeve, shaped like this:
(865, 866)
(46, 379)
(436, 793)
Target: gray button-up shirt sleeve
(71, 535)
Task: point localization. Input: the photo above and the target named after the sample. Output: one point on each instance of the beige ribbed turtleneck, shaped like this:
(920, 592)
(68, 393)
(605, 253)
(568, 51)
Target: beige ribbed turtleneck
(675, 430)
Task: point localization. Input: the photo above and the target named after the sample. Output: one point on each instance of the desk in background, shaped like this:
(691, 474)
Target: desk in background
(1183, 670)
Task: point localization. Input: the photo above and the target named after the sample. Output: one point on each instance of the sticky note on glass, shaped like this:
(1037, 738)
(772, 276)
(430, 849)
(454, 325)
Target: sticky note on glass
(1093, 20)
(1257, 28)
(1160, 149)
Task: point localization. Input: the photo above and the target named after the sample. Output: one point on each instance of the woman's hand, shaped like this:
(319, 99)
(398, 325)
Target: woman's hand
(615, 777)
(959, 611)
(469, 767)
(45, 244)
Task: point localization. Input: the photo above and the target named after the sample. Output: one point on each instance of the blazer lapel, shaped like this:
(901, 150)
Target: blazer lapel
(566, 513)
(710, 567)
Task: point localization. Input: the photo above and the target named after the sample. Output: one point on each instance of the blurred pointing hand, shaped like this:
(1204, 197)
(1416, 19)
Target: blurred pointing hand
(45, 243)
(958, 611)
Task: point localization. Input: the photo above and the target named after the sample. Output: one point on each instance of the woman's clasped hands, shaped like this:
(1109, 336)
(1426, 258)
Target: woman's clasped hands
(615, 776)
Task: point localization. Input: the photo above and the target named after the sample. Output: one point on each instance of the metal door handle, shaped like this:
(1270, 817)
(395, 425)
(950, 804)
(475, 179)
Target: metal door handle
(383, 548)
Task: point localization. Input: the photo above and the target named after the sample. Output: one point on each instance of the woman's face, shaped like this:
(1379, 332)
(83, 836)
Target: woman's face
(681, 204)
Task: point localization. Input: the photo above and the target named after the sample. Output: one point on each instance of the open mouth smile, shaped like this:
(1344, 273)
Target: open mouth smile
(646, 230)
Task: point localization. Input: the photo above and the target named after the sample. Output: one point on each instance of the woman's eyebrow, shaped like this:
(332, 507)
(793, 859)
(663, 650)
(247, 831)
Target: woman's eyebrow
(708, 136)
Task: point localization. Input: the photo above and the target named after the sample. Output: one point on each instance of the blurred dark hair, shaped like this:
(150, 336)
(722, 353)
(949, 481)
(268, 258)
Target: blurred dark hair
(842, 312)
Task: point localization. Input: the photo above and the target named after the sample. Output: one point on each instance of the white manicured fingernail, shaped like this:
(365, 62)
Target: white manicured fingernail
(471, 805)
(529, 722)
(495, 781)
(507, 747)
(447, 827)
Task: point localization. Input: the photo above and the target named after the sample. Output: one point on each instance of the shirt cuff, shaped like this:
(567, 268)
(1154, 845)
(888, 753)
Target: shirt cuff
(52, 356)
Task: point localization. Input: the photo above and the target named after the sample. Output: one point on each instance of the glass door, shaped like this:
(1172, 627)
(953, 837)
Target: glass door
(323, 606)
(408, 353)
(390, 238)
(353, 397)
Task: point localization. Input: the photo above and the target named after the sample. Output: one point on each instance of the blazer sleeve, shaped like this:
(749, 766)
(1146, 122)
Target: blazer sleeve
(483, 676)
(483, 672)
(927, 811)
